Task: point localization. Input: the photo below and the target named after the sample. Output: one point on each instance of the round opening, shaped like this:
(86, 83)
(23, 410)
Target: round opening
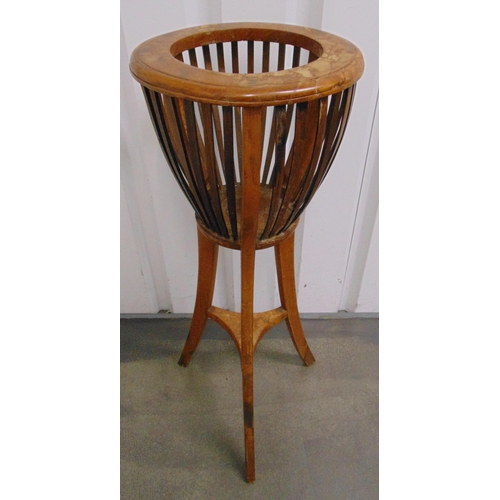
(246, 50)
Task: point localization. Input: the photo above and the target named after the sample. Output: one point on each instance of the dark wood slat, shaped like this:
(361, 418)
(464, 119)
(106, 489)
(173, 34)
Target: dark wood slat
(289, 115)
(155, 114)
(296, 57)
(332, 124)
(207, 58)
(154, 108)
(281, 56)
(263, 125)
(234, 57)
(192, 57)
(185, 126)
(306, 179)
(239, 137)
(250, 54)
(176, 140)
(349, 95)
(193, 152)
(335, 131)
(332, 137)
(306, 124)
(220, 58)
(265, 57)
(213, 183)
(281, 137)
(270, 149)
(201, 144)
(229, 173)
(218, 134)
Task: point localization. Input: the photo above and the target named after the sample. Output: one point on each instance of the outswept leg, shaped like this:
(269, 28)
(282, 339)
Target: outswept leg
(250, 185)
(284, 253)
(247, 352)
(208, 252)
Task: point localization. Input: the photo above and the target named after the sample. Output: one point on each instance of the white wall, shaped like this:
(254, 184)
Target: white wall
(337, 238)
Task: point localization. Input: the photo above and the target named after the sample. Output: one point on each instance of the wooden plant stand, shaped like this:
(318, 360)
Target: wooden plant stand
(249, 117)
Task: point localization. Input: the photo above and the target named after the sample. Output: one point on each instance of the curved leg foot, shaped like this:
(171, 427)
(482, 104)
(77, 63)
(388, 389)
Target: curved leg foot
(207, 267)
(284, 253)
(247, 370)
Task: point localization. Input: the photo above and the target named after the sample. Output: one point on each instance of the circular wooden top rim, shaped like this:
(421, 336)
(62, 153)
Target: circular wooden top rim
(339, 65)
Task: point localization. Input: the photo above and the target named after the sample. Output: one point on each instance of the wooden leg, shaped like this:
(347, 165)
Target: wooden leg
(246, 356)
(250, 185)
(208, 252)
(284, 252)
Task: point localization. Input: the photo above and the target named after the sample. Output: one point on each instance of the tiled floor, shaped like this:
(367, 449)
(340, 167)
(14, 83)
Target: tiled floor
(316, 428)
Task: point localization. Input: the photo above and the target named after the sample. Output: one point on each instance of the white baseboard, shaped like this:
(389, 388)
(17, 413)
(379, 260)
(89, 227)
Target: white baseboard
(337, 315)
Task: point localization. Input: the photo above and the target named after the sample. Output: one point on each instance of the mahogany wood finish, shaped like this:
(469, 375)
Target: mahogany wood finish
(249, 117)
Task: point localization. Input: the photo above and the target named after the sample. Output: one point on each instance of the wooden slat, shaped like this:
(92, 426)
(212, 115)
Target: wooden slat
(220, 58)
(306, 180)
(207, 58)
(218, 134)
(200, 141)
(263, 125)
(193, 152)
(332, 124)
(334, 133)
(281, 136)
(250, 54)
(281, 56)
(349, 93)
(234, 57)
(154, 109)
(296, 57)
(265, 57)
(174, 133)
(306, 123)
(270, 149)
(229, 173)
(289, 115)
(239, 137)
(192, 57)
(213, 182)
(153, 101)
(189, 136)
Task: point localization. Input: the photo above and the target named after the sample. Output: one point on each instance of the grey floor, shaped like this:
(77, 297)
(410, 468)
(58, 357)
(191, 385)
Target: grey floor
(316, 428)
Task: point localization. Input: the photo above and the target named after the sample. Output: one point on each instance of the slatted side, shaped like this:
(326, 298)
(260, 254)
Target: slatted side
(173, 149)
(329, 133)
(256, 57)
(304, 142)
